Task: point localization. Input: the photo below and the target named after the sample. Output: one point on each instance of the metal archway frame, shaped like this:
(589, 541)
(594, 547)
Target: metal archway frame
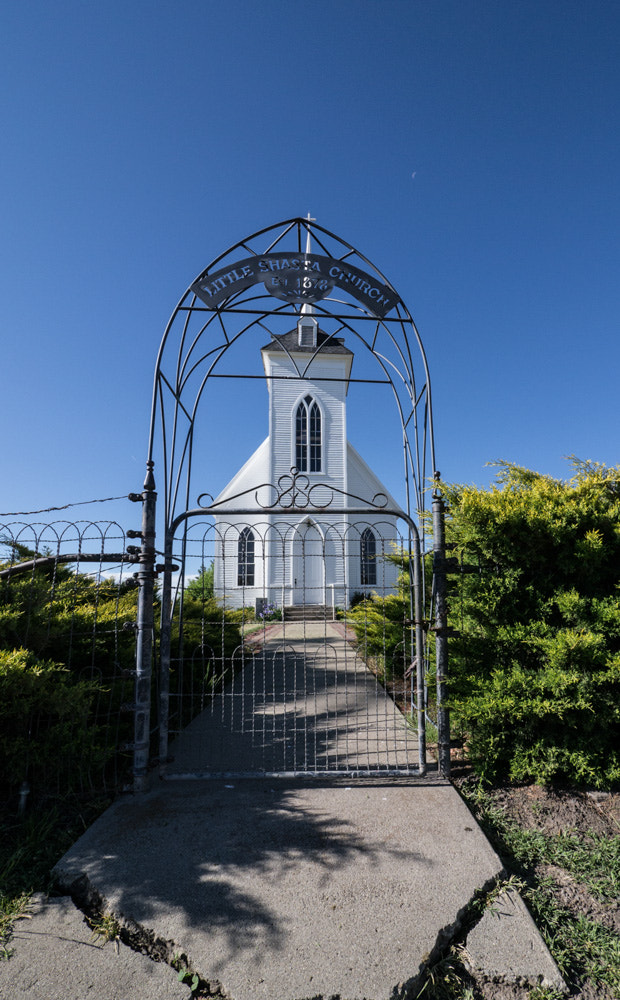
(244, 289)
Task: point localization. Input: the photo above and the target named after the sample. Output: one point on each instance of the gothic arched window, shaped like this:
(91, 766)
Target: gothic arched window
(308, 436)
(368, 559)
(245, 559)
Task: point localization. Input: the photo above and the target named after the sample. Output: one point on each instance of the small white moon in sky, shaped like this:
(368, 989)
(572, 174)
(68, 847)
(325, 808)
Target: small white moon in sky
(413, 174)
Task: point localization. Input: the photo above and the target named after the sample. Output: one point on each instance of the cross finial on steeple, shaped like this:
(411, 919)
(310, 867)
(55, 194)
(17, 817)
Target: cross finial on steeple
(310, 219)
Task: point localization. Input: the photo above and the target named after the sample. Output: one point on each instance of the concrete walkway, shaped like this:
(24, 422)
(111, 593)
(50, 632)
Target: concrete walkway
(287, 888)
(302, 702)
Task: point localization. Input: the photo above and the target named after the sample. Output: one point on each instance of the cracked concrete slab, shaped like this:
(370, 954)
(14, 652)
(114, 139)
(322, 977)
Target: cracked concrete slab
(506, 944)
(55, 955)
(292, 889)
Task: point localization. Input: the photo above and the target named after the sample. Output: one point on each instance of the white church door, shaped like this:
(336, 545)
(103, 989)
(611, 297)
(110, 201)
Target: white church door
(308, 565)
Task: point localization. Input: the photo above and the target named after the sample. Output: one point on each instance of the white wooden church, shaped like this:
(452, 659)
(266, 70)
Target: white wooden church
(320, 557)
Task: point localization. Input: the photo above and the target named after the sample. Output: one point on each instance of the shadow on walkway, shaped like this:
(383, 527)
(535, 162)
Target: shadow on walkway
(302, 702)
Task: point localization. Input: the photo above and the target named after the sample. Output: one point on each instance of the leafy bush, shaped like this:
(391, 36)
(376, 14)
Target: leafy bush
(203, 653)
(45, 722)
(382, 633)
(68, 617)
(65, 668)
(206, 623)
(535, 671)
(201, 588)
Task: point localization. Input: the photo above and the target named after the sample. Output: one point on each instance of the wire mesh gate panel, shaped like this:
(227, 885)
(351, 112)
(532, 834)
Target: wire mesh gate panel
(304, 677)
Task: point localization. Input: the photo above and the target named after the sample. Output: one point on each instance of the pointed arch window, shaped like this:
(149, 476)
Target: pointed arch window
(245, 559)
(368, 558)
(308, 451)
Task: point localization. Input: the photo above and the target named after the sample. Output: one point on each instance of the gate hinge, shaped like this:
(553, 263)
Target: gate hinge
(411, 623)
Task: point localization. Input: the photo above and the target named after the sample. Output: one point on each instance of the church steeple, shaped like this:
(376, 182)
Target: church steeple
(307, 325)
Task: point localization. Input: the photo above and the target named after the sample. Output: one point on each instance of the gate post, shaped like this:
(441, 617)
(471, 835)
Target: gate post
(144, 634)
(441, 631)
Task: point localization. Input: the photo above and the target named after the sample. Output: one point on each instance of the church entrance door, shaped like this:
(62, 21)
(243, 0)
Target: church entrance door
(308, 566)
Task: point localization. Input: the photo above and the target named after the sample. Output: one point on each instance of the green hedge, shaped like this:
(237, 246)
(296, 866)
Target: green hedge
(46, 731)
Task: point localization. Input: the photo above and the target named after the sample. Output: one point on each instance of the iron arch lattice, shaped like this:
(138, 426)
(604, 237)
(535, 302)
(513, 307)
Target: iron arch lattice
(223, 305)
(262, 286)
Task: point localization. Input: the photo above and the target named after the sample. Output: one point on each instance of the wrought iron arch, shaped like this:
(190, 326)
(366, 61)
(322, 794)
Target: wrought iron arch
(265, 283)
(203, 329)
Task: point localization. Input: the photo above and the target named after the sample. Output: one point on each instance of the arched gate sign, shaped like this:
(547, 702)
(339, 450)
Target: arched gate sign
(315, 570)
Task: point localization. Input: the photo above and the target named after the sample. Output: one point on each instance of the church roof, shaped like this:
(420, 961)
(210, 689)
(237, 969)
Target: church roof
(289, 343)
(248, 488)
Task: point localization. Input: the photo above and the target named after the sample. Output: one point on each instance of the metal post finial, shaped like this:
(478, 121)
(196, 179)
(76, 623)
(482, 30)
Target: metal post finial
(149, 481)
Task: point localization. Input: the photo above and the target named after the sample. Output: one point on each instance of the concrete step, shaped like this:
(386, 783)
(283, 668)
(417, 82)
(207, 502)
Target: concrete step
(307, 612)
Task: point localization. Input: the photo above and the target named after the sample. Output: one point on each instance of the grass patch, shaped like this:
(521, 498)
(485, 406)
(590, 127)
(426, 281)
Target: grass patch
(447, 980)
(30, 847)
(584, 950)
(594, 860)
(11, 908)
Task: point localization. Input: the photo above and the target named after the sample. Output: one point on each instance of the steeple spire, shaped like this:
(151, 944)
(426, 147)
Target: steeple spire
(310, 219)
(307, 308)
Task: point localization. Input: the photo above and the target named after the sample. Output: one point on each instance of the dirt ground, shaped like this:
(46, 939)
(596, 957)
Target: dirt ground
(552, 812)
(561, 812)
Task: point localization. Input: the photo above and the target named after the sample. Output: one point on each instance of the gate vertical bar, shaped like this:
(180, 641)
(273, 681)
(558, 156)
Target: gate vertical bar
(441, 631)
(144, 634)
(164, 655)
(418, 616)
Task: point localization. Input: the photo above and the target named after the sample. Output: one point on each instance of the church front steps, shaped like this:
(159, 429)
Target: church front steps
(307, 613)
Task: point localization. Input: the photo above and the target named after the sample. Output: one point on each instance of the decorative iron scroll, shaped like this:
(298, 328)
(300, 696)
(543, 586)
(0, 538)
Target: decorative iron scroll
(294, 492)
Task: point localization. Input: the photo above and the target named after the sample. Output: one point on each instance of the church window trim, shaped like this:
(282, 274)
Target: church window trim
(245, 558)
(368, 558)
(308, 435)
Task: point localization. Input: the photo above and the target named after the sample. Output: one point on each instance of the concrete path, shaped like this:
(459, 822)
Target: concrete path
(56, 956)
(292, 890)
(287, 888)
(303, 702)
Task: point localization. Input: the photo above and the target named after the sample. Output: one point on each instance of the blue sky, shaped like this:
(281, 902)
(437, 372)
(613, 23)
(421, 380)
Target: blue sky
(470, 149)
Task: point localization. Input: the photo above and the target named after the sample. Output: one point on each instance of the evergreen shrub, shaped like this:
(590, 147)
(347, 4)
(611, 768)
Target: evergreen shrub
(535, 670)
